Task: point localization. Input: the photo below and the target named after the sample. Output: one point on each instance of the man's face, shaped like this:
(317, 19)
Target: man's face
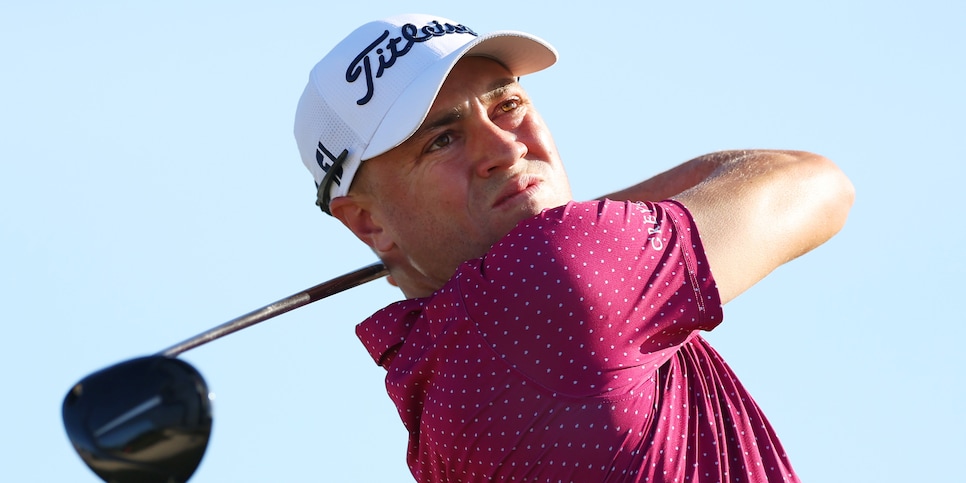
(482, 161)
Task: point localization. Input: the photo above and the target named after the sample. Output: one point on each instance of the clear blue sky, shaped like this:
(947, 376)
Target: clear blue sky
(150, 188)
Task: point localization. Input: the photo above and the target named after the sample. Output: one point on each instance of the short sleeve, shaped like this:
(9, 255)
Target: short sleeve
(584, 297)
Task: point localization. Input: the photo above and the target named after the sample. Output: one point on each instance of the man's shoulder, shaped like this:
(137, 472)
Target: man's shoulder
(602, 213)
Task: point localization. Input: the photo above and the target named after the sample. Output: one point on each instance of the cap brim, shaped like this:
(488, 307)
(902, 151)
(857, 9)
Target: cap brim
(519, 52)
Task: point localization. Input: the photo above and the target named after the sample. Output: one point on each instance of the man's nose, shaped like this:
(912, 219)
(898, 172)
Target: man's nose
(495, 148)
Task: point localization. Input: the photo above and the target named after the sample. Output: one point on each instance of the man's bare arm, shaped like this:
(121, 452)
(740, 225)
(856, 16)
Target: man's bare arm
(755, 210)
(675, 180)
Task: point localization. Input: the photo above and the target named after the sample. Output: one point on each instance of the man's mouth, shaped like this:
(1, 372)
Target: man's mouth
(520, 186)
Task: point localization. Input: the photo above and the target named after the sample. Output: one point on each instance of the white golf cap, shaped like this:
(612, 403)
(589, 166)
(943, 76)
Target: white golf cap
(374, 89)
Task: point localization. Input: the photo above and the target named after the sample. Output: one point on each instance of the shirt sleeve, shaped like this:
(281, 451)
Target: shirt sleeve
(580, 295)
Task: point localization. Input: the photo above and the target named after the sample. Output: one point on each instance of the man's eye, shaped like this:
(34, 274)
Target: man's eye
(440, 142)
(510, 105)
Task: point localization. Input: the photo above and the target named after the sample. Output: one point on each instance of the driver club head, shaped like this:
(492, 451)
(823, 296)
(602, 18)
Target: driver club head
(144, 420)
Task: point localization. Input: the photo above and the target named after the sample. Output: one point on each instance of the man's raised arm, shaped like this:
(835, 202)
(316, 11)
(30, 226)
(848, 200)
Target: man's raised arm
(755, 210)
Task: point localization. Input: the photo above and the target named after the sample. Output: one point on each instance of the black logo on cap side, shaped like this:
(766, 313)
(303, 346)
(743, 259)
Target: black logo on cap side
(327, 161)
(332, 166)
(388, 52)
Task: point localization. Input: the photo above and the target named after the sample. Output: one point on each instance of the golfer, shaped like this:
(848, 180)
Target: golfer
(544, 339)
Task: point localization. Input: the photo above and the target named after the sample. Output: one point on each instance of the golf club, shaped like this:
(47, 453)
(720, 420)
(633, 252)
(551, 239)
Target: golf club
(148, 420)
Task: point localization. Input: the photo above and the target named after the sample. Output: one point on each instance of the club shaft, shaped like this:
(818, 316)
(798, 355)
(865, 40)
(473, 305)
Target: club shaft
(305, 297)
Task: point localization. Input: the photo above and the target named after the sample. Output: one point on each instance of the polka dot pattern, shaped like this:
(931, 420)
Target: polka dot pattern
(571, 352)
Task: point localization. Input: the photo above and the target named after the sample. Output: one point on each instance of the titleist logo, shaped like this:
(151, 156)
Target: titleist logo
(387, 52)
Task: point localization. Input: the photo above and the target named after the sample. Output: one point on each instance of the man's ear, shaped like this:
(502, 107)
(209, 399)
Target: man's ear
(359, 220)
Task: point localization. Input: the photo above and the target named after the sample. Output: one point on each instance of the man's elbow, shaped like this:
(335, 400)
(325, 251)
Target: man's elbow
(828, 193)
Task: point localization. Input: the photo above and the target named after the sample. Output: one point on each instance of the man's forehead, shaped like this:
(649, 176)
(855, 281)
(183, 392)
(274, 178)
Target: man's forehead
(473, 78)
(479, 73)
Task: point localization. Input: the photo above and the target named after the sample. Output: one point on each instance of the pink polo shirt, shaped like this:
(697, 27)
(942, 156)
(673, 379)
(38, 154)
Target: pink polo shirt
(570, 352)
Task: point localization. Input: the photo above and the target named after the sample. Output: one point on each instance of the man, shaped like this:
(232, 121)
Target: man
(544, 339)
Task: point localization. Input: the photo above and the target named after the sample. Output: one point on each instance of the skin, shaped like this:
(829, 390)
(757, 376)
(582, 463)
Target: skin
(484, 160)
(755, 209)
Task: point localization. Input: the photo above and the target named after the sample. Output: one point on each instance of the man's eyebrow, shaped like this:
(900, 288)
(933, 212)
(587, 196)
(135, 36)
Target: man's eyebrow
(498, 88)
(494, 90)
(441, 119)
